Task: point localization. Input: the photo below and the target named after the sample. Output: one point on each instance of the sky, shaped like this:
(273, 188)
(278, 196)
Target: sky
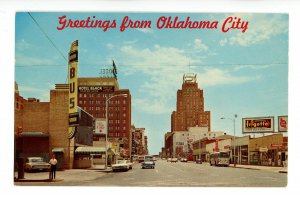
(243, 73)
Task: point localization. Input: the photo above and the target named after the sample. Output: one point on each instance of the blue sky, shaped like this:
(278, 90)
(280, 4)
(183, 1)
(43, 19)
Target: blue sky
(241, 73)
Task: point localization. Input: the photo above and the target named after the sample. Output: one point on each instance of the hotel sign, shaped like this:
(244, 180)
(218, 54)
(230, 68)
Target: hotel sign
(95, 89)
(258, 125)
(282, 123)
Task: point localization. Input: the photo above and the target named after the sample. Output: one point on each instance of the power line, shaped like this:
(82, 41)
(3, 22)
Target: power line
(49, 39)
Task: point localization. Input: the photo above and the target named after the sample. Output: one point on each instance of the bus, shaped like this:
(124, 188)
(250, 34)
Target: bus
(219, 159)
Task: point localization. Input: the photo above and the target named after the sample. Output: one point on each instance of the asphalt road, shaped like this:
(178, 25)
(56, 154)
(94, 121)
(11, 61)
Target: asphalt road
(167, 174)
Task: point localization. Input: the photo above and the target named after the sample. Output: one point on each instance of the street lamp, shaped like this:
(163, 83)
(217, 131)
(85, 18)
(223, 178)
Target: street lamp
(232, 119)
(106, 116)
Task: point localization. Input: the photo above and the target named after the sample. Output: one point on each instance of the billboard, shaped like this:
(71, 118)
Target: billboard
(282, 123)
(258, 125)
(100, 126)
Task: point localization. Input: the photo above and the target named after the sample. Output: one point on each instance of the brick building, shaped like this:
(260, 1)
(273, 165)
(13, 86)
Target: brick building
(41, 128)
(92, 96)
(190, 106)
(139, 141)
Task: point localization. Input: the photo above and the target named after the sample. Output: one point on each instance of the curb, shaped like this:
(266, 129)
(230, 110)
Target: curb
(282, 171)
(38, 180)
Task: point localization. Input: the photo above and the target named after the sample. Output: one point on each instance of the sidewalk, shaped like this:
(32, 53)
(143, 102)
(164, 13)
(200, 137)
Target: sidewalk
(66, 175)
(265, 168)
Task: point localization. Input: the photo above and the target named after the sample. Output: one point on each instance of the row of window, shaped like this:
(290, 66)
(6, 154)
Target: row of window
(98, 102)
(97, 108)
(116, 128)
(116, 134)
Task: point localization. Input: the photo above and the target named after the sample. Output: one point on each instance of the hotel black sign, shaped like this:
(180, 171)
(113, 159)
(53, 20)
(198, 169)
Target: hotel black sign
(95, 89)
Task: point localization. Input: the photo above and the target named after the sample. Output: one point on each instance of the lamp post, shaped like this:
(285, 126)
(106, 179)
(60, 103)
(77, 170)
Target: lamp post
(106, 116)
(233, 119)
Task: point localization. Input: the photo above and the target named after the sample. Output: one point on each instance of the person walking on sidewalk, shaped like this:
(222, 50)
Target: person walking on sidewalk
(53, 163)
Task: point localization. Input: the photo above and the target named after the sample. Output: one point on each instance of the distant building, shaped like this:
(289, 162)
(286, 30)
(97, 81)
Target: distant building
(190, 106)
(139, 141)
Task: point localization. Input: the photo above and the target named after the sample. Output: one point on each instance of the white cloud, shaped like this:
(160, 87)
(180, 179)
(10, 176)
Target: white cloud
(163, 68)
(42, 94)
(215, 76)
(199, 45)
(22, 59)
(145, 30)
(110, 46)
(260, 28)
(23, 45)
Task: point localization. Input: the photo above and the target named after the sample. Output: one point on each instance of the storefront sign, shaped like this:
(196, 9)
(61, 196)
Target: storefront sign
(258, 125)
(276, 145)
(263, 149)
(73, 83)
(282, 123)
(100, 126)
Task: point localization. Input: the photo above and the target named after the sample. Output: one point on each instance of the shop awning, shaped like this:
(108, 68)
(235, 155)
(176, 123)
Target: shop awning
(33, 134)
(58, 150)
(89, 150)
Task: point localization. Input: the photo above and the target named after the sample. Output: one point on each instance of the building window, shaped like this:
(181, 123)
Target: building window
(84, 95)
(110, 121)
(124, 128)
(124, 108)
(124, 121)
(124, 115)
(80, 102)
(80, 95)
(124, 101)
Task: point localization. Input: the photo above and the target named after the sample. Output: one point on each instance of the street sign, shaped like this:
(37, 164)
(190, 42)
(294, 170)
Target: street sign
(263, 149)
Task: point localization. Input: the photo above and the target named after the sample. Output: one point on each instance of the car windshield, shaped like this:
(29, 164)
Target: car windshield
(121, 162)
(224, 155)
(37, 160)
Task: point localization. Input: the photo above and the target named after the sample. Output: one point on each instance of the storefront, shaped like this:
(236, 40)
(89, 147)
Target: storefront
(267, 151)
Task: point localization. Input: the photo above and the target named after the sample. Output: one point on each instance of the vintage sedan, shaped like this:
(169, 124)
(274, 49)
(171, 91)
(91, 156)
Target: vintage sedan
(129, 163)
(36, 164)
(121, 165)
(148, 164)
(183, 160)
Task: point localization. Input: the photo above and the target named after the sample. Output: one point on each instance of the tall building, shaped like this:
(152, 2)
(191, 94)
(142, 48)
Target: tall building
(92, 96)
(190, 106)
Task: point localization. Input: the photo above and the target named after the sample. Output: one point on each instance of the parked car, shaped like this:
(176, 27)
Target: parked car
(148, 164)
(199, 161)
(36, 164)
(174, 159)
(169, 159)
(121, 165)
(183, 160)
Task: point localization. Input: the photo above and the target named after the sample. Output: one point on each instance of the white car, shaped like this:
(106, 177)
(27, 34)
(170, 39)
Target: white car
(36, 164)
(121, 165)
(129, 163)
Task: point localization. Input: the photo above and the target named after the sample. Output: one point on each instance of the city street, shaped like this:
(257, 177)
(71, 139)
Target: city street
(167, 174)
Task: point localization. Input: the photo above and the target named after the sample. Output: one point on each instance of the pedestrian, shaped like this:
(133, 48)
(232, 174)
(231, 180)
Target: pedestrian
(53, 163)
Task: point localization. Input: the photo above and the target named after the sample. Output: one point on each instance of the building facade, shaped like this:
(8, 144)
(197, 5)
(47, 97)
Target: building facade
(190, 106)
(139, 141)
(92, 96)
